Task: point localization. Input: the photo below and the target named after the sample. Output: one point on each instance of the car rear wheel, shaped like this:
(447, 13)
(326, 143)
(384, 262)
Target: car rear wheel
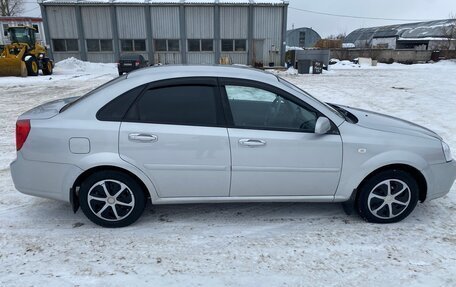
(111, 199)
(387, 197)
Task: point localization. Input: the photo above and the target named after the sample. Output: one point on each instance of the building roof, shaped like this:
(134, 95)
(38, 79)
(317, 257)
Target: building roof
(430, 29)
(19, 19)
(302, 29)
(152, 2)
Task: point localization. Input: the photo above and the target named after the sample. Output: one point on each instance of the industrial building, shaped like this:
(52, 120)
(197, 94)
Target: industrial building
(9, 21)
(302, 37)
(419, 36)
(168, 31)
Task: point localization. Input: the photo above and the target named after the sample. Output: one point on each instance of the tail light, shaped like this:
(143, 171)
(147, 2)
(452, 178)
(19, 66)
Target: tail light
(22, 131)
(137, 63)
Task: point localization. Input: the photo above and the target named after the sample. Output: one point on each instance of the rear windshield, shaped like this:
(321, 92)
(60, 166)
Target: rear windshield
(129, 57)
(107, 84)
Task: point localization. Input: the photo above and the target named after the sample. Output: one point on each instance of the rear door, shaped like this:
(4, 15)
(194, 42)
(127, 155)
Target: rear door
(175, 133)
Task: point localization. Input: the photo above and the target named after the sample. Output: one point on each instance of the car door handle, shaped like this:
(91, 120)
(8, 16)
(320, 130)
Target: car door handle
(251, 142)
(142, 137)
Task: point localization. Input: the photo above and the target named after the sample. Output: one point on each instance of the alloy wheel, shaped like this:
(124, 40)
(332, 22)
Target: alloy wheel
(111, 200)
(389, 199)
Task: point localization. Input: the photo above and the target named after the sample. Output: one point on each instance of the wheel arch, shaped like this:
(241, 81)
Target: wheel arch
(74, 190)
(415, 173)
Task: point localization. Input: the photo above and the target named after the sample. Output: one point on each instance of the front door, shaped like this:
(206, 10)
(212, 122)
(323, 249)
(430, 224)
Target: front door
(175, 134)
(258, 53)
(275, 151)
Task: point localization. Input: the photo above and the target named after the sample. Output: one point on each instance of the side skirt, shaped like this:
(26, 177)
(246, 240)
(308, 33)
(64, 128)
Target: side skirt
(183, 200)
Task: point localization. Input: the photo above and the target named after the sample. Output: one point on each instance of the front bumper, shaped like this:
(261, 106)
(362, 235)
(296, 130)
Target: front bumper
(44, 179)
(440, 179)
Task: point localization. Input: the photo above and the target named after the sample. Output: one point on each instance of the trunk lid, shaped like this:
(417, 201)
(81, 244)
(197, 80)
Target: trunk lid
(47, 110)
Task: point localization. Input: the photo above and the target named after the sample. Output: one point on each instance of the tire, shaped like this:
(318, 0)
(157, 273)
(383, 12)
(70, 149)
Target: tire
(121, 206)
(48, 67)
(387, 197)
(32, 66)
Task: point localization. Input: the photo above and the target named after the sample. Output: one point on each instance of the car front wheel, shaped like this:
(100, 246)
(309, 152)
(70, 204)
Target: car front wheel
(111, 199)
(387, 197)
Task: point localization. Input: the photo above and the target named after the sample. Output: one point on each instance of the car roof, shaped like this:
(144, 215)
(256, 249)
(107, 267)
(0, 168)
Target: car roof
(180, 71)
(130, 56)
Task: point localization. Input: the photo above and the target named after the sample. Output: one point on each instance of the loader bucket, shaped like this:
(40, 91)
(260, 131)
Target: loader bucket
(12, 66)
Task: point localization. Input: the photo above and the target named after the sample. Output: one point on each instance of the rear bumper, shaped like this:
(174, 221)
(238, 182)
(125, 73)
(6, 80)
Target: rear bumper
(44, 179)
(440, 179)
(127, 69)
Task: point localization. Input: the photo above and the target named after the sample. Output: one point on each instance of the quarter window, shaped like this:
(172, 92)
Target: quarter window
(183, 105)
(261, 109)
(116, 109)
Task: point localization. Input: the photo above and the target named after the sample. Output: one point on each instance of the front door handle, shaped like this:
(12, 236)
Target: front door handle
(142, 137)
(252, 142)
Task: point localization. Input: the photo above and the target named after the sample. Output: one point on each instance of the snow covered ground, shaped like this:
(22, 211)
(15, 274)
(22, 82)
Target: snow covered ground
(42, 243)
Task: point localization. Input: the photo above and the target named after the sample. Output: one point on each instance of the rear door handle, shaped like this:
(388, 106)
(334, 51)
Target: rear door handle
(142, 137)
(252, 142)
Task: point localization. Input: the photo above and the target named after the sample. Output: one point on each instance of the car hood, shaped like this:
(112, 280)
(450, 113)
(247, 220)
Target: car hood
(381, 122)
(47, 110)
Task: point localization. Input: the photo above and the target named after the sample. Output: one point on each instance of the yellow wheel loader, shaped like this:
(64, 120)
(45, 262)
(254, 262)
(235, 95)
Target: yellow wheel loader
(24, 56)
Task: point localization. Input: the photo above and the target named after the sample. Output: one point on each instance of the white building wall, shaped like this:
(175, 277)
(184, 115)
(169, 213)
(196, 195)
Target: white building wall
(4, 39)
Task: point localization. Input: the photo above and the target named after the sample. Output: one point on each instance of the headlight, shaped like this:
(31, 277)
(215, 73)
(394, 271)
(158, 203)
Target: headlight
(447, 151)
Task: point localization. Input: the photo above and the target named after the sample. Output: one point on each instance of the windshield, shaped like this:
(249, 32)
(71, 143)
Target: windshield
(19, 35)
(297, 89)
(107, 84)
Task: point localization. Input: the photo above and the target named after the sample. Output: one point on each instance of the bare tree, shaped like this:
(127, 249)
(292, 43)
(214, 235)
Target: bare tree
(449, 32)
(339, 36)
(11, 7)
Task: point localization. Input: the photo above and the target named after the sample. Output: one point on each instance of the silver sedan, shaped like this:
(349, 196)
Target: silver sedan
(188, 134)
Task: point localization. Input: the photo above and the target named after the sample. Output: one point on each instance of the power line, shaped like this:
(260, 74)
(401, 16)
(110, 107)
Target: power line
(356, 17)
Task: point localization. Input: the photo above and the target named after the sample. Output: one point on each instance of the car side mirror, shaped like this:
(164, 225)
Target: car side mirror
(322, 126)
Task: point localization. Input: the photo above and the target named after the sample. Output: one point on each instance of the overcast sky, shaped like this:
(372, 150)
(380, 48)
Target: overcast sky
(392, 9)
(327, 25)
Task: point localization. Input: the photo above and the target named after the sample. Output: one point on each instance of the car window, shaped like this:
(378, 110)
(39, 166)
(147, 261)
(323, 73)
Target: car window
(183, 105)
(105, 85)
(257, 108)
(115, 110)
(299, 90)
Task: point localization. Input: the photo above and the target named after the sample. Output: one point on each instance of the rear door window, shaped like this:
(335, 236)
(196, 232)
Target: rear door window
(179, 105)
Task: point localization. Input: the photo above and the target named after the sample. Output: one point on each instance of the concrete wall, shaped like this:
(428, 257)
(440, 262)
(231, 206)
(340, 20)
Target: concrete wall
(382, 55)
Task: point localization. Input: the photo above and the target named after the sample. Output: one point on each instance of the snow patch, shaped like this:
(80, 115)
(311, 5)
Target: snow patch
(73, 65)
